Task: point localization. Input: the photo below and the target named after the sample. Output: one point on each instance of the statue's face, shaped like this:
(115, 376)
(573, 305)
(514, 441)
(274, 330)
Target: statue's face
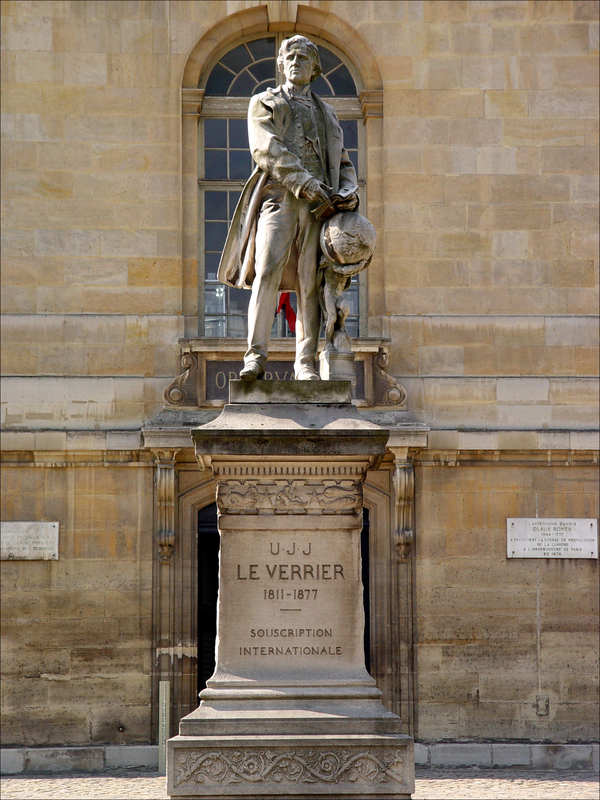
(297, 66)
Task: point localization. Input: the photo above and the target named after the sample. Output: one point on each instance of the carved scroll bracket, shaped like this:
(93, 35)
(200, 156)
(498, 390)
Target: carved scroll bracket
(404, 445)
(165, 501)
(388, 391)
(404, 493)
(183, 390)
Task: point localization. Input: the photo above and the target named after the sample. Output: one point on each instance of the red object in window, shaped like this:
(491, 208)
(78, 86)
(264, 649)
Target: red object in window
(290, 314)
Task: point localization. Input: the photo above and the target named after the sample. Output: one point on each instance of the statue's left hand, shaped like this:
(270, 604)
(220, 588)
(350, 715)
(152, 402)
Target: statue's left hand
(349, 203)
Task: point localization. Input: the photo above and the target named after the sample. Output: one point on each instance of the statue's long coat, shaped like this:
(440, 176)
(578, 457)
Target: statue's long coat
(269, 118)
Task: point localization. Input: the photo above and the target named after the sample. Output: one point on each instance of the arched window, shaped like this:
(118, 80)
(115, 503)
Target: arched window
(225, 163)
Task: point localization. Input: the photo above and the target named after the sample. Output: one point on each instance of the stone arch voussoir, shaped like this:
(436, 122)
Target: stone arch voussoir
(326, 25)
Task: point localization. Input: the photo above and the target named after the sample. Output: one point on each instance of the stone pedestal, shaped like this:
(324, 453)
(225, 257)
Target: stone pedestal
(291, 711)
(334, 366)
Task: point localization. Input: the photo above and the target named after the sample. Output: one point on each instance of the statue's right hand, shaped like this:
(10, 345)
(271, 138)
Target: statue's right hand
(315, 191)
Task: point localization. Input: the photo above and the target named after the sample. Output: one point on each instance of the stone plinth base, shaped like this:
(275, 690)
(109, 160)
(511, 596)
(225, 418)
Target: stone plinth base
(290, 711)
(334, 366)
(351, 766)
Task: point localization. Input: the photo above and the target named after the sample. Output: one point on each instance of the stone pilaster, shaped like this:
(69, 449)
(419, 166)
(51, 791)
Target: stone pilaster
(163, 633)
(404, 657)
(165, 502)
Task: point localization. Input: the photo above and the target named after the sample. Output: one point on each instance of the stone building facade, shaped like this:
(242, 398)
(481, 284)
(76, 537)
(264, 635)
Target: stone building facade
(477, 136)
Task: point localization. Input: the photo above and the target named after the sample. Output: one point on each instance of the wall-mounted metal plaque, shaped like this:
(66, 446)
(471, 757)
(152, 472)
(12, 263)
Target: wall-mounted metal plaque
(551, 538)
(29, 541)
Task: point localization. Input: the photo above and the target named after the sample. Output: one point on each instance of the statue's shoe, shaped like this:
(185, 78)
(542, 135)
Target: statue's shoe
(307, 374)
(252, 371)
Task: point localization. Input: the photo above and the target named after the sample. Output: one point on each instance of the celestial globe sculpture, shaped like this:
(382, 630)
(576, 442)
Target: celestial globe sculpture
(347, 242)
(348, 238)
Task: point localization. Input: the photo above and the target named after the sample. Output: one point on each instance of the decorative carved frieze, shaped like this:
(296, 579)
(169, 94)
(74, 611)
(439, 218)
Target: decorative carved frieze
(278, 765)
(387, 390)
(165, 501)
(289, 497)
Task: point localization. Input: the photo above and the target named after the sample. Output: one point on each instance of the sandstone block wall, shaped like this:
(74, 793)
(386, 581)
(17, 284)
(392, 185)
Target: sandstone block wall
(496, 633)
(483, 184)
(76, 656)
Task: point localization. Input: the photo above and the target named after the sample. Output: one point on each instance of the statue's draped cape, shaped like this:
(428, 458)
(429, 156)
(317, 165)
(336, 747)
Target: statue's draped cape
(269, 118)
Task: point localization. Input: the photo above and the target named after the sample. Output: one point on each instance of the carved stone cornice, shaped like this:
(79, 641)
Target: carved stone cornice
(191, 101)
(165, 501)
(371, 102)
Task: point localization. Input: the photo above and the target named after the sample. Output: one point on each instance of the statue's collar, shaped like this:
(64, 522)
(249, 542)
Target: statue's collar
(305, 94)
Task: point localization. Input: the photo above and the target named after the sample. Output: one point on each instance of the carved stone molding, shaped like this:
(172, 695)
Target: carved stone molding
(289, 497)
(273, 469)
(191, 101)
(165, 502)
(183, 391)
(371, 102)
(404, 493)
(387, 390)
(284, 765)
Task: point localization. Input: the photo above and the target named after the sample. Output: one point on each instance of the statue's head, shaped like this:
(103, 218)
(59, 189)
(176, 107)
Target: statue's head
(304, 45)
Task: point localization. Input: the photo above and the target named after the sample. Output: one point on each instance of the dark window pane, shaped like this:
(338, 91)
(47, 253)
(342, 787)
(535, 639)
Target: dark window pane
(329, 61)
(238, 327)
(211, 265)
(354, 159)
(262, 48)
(215, 205)
(350, 128)
(243, 85)
(238, 301)
(218, 80)
(321, 87)
(264, 70)
(240, 164)
(214, 326)
(215, 234)
(342, 82)
(263, 85)
(352, 326)
(214, 299)
(238, 133)
(351, 295)
(233, 201)
(215, 164)
(237, 59)
(215, 133)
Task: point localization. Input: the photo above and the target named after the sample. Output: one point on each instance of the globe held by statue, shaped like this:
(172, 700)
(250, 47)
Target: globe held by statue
(348, 238)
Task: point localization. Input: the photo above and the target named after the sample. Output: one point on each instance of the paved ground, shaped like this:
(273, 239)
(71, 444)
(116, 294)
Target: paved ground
(463, 784)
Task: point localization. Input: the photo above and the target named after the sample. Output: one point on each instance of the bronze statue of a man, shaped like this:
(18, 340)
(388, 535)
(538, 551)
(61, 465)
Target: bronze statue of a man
(273, 242)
